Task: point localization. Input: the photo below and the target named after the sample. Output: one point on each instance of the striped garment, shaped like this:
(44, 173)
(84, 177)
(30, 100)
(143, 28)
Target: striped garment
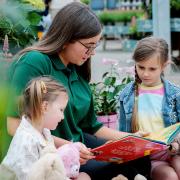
(150, 108)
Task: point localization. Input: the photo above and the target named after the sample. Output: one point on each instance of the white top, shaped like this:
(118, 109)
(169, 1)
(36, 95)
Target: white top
(25, 148)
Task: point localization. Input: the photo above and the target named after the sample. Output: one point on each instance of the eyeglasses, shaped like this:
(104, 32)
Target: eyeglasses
(89, 48)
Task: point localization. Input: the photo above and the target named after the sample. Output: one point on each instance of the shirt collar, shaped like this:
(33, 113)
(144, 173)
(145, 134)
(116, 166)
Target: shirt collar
(69, 71)
(56, 61)
(44, 139)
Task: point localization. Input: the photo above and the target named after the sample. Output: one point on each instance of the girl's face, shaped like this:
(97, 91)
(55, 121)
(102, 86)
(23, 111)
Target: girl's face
(54, 111)
(79, 51)
(149, 71)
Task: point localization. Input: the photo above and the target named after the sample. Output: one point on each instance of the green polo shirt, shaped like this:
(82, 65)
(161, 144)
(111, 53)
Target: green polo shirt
(79, 115)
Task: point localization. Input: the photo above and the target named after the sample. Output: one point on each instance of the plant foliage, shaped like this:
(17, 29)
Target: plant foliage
(106, 92)
(19, 21)
(118, 16)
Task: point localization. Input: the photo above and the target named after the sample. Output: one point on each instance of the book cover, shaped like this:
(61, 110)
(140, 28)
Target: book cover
(133, 147)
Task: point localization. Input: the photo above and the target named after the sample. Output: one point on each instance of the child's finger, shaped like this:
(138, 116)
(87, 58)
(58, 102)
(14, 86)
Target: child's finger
(86, 155)
(174, 148)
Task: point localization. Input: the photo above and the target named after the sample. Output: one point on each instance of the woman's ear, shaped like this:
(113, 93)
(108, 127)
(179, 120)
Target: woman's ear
(64, 46)
(44, 106)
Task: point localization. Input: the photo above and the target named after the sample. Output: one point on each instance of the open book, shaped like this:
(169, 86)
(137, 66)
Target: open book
(132, 147)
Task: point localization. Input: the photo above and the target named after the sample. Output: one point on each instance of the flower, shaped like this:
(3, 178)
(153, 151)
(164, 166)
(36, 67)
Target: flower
(106, 93)
(6, 44)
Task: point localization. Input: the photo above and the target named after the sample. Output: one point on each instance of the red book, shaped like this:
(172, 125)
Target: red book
(132, 147)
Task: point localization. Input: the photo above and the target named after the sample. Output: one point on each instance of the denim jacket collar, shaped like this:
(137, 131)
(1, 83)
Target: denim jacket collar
(172, 91)
(127, 92)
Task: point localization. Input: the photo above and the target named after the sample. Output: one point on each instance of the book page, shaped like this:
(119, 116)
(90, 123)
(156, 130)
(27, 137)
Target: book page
(165, 135)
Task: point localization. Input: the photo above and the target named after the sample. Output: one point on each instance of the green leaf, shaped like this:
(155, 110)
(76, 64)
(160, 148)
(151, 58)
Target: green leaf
(19, 21)
(34, 18)
(109, 81)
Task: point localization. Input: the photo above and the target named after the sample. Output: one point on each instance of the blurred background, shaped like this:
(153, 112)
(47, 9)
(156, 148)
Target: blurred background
(23, 22)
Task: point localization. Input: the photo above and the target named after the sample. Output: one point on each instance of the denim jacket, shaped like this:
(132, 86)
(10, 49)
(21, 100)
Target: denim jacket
(170, 105)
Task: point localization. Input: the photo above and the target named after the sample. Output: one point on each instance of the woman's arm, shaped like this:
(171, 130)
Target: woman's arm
(110, 134)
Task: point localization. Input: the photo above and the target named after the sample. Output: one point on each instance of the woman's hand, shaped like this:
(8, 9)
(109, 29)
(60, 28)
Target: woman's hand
(85, 154)
(141, 133)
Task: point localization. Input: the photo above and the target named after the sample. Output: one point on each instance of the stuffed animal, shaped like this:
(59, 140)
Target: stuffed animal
(137, 177)
(140, 177)
(70, 156)
(48, 167)
(120, 177)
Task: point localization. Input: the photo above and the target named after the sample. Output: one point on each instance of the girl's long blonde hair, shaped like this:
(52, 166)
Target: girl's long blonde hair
(145, 49)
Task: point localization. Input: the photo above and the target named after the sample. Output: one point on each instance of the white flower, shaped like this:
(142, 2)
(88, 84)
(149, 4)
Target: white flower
(111, 89)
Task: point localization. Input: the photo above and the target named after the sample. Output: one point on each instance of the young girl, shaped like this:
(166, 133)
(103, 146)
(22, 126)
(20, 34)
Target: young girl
(43, 103)
(151, 102)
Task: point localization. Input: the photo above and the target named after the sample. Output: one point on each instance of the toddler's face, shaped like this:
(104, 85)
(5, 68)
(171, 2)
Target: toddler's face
(54, 112)
(149, 71)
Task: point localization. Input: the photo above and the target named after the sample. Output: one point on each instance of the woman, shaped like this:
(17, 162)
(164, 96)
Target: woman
(64, 53)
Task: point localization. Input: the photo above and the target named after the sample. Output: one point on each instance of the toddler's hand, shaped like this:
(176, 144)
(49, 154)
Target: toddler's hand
(85, 154)
(141, 133)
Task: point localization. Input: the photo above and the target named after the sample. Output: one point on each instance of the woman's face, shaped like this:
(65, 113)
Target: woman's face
(79, 51)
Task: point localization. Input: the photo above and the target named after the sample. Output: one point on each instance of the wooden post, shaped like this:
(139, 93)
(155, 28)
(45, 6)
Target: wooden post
(161, 19)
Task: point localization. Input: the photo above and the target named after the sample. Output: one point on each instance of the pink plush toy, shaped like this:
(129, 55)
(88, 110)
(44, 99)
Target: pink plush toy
(69, 154)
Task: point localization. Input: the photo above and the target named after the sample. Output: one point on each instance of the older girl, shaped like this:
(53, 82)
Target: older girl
(151, 102)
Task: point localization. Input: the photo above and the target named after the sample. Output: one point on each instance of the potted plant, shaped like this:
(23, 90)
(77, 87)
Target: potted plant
(106, 93)
(19, 20)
